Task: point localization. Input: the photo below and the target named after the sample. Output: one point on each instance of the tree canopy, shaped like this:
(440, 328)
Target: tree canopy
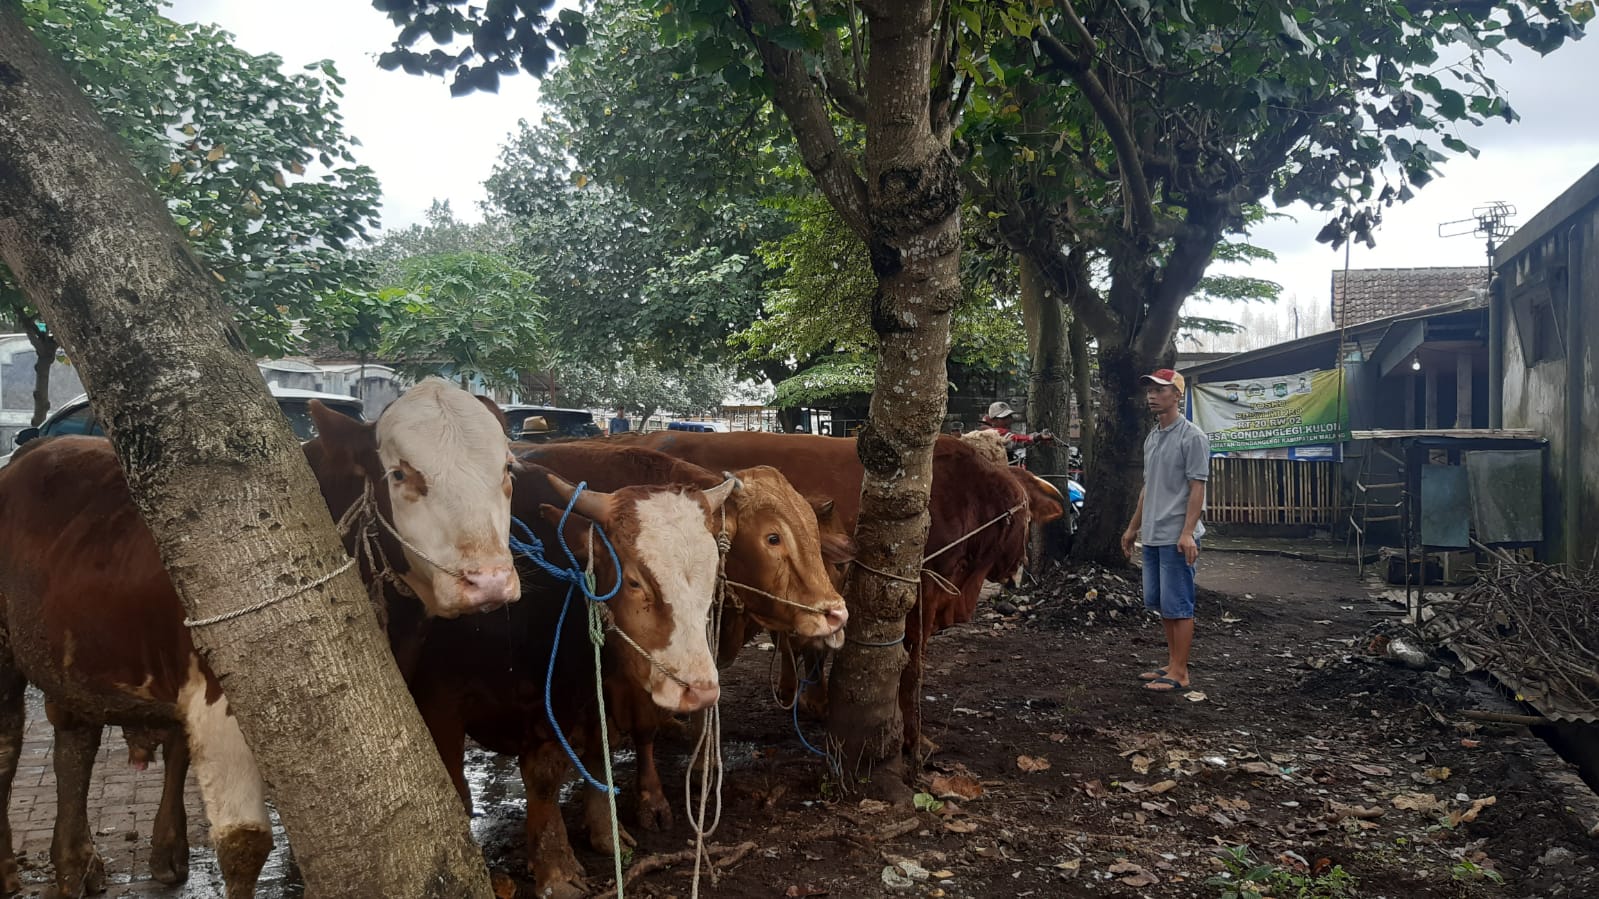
(254, 163)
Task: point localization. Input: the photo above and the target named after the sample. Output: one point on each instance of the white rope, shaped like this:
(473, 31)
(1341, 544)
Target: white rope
(270, 601)
(708, 749)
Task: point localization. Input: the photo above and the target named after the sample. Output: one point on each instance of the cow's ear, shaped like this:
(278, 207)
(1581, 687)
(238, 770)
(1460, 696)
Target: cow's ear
(494, 407)
(344, 440)
(823, 507)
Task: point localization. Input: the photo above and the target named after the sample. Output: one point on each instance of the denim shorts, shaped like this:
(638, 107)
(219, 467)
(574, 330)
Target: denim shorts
(1168, 582)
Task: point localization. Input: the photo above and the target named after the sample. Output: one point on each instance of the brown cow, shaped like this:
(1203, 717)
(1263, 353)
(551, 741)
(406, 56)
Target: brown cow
(488, 676)
(776, 569)
(91, 617)
(979, 518)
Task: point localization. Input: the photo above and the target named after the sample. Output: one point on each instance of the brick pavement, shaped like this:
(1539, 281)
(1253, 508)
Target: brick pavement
(122, 807)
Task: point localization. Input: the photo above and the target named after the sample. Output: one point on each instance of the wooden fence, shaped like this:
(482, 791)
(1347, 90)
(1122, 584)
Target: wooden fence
(1273, 491)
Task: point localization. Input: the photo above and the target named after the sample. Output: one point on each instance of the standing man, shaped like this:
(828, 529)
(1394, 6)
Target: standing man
(619, 424)
(1166, 522)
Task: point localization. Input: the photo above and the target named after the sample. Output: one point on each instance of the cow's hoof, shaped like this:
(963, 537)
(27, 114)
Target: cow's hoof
(600, 838)
(654, 813)
(73, 882)
(170, 864)
(559, 878)
(10, 878)
(241, 853)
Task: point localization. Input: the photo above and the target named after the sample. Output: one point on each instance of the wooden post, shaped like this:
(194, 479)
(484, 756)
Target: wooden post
(1431, 375)
(1410, 401)
(1463, 390)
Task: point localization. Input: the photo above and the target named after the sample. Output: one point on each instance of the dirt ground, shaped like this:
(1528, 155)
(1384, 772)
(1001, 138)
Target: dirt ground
(1338, 773)
(1297, 760)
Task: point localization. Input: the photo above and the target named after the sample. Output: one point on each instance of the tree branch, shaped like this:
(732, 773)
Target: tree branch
(796, 95)
(1105, 109)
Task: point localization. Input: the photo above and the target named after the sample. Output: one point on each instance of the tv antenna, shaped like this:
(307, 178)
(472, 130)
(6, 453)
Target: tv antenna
(1490, 222)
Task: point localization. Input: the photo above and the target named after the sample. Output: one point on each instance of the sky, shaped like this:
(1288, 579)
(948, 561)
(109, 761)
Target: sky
(424, 144)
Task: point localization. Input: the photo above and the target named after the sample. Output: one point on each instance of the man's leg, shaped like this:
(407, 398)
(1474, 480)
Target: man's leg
(1177, 615)
(1152, 592)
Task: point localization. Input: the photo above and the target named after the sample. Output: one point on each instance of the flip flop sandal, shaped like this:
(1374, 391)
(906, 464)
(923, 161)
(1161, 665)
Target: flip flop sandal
(1151, 675)
(1166, 685)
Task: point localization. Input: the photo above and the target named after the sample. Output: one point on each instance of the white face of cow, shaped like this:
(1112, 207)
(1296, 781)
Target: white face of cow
(677, 554)
(446, 463)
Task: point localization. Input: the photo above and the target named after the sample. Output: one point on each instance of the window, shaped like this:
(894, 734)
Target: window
(79, 421)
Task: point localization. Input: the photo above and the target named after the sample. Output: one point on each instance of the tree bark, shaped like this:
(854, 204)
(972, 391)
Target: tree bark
(1116, 469)
(44, 359)
(226, 491)
(913, 206)
(1082, 387)
(1048, 399)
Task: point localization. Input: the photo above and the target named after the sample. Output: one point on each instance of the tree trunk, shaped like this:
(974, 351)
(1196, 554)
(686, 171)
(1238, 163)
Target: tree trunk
(913, 207)
(44, 359)
(226, 491)
(1048, 399)
(1117, 468)
(1083, 388)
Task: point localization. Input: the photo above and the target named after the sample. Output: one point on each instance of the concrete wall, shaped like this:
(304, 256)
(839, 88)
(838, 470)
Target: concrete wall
(1536, 392)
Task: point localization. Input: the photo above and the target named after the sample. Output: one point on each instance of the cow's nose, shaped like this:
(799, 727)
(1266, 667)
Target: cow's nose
(699, 695)
(837, 618)
(496, 585)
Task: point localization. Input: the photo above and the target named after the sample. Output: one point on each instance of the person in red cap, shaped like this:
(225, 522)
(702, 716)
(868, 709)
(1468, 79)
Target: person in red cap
(1001, 416)
(1167, 521)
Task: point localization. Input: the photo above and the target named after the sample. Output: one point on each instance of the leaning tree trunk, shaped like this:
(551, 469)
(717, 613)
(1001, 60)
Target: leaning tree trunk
(913, 205)
(227, 493)
(1048, 397)
(1116, 469)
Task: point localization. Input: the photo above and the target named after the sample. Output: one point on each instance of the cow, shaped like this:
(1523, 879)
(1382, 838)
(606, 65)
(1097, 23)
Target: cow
(979, 513)
(500, 679)
(776, 571)
(89, 615)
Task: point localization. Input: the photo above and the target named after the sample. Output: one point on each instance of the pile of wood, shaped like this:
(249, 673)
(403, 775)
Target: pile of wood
(1531, 623)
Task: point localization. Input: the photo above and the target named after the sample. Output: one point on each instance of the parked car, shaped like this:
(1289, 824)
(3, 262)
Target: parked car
(536, 424)
(704, 427)
(77, 416)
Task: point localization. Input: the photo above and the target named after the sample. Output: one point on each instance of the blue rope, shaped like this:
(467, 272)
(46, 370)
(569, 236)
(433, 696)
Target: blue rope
(804, 682)
(576, 579)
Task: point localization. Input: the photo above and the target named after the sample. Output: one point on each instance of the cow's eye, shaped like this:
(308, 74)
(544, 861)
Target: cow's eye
(633, 584)
(397, 475)
(773, 539)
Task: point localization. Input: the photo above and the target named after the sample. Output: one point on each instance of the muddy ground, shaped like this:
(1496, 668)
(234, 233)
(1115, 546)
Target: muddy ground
(1318, 769)
(1299, 760)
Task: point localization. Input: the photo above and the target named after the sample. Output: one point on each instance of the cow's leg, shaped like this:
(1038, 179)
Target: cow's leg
(231, 787)
(550, 859)
(79, 870)
(597, 809)
(13, 719)
(169, 843)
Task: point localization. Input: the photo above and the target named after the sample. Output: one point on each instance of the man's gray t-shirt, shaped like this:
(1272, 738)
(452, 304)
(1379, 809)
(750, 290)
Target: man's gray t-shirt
(1173, 456)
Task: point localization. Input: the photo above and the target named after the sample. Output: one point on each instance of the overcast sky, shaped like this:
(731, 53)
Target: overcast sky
(425, 144)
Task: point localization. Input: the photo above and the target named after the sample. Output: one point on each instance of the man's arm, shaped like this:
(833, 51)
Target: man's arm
(1196, 505)
(1131, 534)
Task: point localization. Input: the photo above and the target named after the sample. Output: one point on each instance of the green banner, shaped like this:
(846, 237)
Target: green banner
(1263, 413)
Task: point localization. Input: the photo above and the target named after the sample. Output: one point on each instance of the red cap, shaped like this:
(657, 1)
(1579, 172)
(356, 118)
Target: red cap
(1165, 377)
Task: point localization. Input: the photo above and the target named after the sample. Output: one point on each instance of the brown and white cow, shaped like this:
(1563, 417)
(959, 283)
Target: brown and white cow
(979, 511)
(487, 676)
(91, 618)
(777, 569)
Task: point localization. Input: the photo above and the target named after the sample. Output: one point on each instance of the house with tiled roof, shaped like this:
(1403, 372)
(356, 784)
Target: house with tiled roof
(1367, 294)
